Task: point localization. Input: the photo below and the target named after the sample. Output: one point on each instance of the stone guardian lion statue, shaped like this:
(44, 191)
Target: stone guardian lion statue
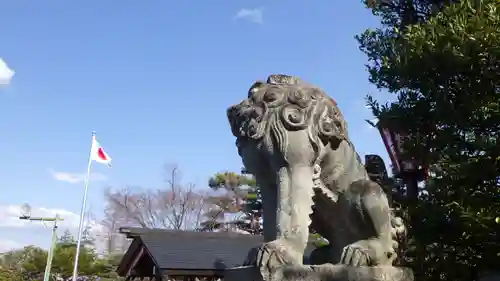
(293, 138)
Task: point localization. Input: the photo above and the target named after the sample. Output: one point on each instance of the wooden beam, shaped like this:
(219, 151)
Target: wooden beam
(123, 267)
(193, 272)
(135, 260)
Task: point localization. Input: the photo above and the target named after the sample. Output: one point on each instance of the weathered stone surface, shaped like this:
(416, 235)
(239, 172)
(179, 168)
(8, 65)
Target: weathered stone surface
(293, 138)
(325, 272)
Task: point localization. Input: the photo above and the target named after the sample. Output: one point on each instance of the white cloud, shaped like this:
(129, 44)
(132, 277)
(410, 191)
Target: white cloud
(76, 177)
(6, 73)
(251, 15)
(9, 218)
(7, 245)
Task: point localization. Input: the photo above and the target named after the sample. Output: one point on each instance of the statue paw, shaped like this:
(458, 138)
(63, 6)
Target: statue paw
(355, 255)
(270, 256)
(370, 252)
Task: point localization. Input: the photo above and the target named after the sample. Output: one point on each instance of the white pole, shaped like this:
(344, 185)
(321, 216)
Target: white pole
(82, 212)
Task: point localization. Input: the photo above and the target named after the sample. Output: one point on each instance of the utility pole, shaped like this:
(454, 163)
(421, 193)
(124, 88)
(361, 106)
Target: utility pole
(26, 215)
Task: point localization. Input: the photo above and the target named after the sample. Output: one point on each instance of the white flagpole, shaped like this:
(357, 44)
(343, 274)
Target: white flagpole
(82, 212)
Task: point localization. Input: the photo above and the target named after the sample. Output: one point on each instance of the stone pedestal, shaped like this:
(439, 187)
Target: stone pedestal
(326, 272)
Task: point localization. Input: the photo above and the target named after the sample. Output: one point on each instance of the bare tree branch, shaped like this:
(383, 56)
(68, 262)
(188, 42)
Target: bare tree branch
(177, 206)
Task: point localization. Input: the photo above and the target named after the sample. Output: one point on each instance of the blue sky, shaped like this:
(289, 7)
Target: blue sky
(154, 79)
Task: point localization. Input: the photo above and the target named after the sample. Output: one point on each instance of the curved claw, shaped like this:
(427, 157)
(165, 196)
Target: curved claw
(353, 255)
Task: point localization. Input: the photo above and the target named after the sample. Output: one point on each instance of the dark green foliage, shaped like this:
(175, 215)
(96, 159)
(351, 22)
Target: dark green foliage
(10, 275)
(252, 207)
(66, 239)
(29, 263)
(445, 71)
(240, 199)
(32, 260)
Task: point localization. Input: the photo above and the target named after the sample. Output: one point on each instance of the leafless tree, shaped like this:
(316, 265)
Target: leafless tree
(115, 242)
(177, 206)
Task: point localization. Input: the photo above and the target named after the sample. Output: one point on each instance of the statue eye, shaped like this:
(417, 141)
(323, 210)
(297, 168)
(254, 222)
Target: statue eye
(270, 96)
(256, 87)
(273, 96)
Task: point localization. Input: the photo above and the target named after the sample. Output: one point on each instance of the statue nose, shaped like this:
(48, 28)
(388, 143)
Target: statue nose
(233, 111)
(238, 109)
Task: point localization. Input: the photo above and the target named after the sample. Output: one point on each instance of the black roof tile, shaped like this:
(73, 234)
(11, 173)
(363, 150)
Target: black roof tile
(191, 250)
(199, 250)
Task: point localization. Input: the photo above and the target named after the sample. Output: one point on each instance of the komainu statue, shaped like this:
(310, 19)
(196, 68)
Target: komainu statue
(292, 137)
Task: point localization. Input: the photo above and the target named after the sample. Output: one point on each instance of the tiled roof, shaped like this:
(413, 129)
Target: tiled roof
(189, 250)
(199, 250)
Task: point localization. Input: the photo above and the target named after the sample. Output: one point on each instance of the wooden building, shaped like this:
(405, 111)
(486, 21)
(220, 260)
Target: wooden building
(159, 254)
(183, 255)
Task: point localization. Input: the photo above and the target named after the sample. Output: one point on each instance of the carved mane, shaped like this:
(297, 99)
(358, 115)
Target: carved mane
(286, 102)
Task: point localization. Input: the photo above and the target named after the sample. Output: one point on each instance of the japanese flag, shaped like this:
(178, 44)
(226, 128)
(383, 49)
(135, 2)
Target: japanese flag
(98, 154)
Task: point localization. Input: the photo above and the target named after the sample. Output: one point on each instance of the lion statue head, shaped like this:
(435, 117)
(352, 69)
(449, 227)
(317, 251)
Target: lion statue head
(285, 123)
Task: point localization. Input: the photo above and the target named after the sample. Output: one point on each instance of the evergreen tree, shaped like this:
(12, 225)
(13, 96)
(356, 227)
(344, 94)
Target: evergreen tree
(66, 239)
(252, 206)
(239, 206)
(64, 257)
(442, 61)
(10, 275)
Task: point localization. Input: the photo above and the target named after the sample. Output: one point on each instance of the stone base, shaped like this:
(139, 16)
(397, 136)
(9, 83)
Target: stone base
(325, 272)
